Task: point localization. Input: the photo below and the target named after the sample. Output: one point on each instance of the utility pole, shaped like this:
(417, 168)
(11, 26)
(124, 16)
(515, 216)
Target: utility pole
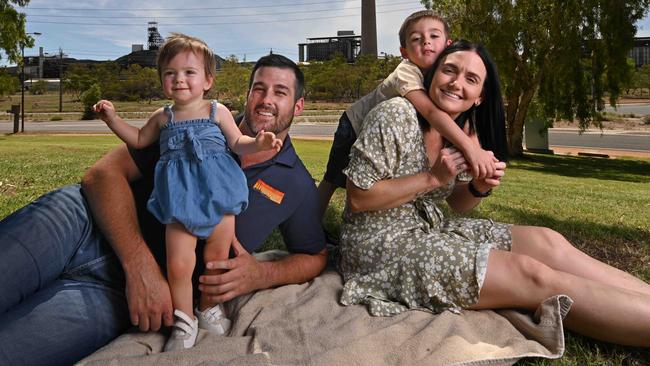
(22, 89)
(60, 80)
(22, 92)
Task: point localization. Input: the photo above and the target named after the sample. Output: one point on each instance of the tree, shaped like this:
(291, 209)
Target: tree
(133, 84)
(38, 87)
(8, 84)
(336, 80)
(640, 80)
(231, 84)
(78, 79)
(565, 54)
(147, 83)
(12, 30)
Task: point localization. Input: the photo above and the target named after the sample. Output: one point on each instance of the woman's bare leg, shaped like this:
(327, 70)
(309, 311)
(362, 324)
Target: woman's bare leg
(217, 247)
(600, 310)
(552, 249)
(181, 259)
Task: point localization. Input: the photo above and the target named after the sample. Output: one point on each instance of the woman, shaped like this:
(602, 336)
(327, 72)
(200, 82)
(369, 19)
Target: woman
(398, 252)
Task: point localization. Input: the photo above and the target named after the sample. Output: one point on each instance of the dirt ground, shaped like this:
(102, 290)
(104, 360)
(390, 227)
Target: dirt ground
(623, 123)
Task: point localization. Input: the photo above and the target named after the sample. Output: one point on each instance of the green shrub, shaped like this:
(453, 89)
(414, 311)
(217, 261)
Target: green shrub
(88, 99)
(56, 118)
(38, 87)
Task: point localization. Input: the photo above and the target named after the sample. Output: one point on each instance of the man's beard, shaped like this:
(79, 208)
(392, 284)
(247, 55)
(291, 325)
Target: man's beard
(278, 126)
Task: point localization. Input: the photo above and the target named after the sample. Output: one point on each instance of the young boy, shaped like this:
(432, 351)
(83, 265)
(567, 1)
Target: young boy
(422, 36)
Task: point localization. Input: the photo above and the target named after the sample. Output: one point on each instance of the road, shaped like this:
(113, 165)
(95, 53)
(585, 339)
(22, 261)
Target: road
(619, 140)
(631, 108)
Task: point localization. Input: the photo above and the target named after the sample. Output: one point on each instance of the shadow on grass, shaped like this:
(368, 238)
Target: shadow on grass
(623, 247)
(626, 170)
(585, 230)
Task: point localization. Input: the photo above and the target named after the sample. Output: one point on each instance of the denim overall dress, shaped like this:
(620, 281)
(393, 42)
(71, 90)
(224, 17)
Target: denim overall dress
(196, 180)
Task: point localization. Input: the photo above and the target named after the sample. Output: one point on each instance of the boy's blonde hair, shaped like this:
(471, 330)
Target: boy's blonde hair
(177, 43)
(408, 22)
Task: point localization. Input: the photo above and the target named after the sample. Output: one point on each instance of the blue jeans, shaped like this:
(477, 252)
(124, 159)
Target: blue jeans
(61, 287)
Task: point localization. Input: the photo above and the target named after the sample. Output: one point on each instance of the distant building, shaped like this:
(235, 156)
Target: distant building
(323, 48)
(46, 66)
(641, 51)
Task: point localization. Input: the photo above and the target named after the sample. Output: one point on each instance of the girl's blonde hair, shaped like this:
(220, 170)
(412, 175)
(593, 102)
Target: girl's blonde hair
(177, 43)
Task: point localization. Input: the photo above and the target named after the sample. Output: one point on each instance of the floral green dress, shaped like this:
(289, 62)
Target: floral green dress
(409, 257)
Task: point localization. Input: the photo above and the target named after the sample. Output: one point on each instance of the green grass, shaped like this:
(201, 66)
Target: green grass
(601, 205)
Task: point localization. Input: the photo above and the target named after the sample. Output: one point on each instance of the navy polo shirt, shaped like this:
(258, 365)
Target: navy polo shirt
(281, 193)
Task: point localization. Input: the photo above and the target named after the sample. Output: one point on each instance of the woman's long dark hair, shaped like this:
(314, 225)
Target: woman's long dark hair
(488, 119)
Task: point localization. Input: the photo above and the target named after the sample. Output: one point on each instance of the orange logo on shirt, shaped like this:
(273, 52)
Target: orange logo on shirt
(268, 191)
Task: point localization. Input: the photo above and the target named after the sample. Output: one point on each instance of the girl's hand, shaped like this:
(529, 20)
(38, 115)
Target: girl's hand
(105, 110)
(485, 184)
(449, 163)
(267, 141)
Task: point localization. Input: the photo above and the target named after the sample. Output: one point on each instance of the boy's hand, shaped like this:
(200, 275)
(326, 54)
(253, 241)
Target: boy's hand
(267, 141)
(485, 184)
(105, 110)
(482, 163)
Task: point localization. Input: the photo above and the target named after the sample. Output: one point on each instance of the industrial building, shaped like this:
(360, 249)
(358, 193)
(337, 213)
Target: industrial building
(46, 66)
(323, 48)
(641, 51)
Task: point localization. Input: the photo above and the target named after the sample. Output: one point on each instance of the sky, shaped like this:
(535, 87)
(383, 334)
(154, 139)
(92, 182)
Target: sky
(248, 29)
(106, 29)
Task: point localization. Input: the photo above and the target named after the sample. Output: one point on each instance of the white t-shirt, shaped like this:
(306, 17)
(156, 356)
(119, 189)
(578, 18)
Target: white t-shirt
(405, 78)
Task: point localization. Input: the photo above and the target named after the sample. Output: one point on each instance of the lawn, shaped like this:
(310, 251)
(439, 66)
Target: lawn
(601, 205)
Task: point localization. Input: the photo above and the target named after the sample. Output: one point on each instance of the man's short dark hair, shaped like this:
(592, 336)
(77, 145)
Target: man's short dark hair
(275, 60)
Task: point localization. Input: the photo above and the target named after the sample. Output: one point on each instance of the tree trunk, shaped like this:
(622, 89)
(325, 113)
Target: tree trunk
(516, 124)
(511, 114)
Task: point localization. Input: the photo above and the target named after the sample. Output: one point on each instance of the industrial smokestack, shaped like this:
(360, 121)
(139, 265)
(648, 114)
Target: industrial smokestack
(368, 28)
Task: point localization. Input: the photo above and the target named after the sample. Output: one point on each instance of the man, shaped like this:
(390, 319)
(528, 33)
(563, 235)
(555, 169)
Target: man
(65, 297)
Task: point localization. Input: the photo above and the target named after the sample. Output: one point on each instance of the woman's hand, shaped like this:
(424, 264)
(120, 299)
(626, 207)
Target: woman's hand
(449, 163)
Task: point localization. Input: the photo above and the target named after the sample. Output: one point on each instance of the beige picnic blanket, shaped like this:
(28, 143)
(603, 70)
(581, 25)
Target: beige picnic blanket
(305, 325)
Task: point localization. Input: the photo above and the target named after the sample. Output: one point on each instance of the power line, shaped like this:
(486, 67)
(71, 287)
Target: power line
(219, 23)
(274, 5)
(206, 16)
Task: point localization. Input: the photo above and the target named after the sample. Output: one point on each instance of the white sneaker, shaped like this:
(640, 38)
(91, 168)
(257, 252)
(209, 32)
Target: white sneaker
(184, 333)
(213, 319)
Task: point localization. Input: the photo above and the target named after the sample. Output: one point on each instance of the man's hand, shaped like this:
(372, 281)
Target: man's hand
(244, 275)
(148, 296)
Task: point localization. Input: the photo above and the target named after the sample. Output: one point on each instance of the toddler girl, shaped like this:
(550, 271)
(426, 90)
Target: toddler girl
(198, 186)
